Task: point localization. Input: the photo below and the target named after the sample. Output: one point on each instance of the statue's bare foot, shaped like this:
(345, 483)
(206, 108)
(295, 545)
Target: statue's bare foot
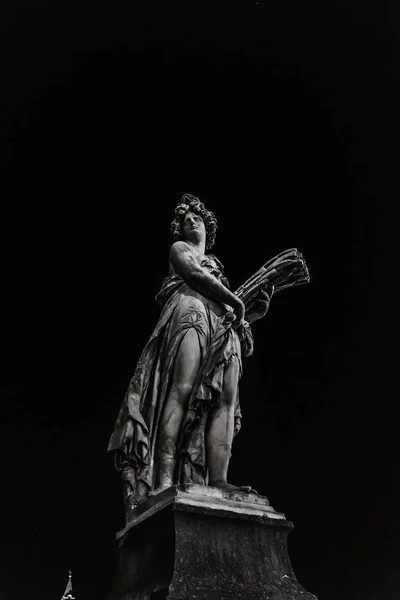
(161, 488)
(224, 485)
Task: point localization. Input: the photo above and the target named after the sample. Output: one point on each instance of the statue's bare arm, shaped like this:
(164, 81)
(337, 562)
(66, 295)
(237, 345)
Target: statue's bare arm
(186, 265)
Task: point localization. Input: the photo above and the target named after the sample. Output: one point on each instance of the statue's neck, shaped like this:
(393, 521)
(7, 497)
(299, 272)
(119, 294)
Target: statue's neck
(198, 246)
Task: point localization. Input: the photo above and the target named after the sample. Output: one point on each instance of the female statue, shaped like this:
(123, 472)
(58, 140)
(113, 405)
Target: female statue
(181, 410)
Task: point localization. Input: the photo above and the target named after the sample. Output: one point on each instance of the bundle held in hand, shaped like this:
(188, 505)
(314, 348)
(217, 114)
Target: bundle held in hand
(285, 270)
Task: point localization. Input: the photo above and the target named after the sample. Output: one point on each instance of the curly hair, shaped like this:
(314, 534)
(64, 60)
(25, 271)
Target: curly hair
(189, 203)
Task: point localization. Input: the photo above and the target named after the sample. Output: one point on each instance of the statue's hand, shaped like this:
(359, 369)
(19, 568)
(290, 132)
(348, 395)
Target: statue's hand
(260, 306)
(239, 310)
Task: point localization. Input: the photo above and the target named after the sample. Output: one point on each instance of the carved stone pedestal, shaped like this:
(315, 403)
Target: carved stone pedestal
(201, 543)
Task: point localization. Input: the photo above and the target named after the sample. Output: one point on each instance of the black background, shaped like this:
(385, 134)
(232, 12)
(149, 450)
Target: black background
(283, 118)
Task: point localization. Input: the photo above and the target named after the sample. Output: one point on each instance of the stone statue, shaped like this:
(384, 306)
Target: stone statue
(181, 410)
(173, 436)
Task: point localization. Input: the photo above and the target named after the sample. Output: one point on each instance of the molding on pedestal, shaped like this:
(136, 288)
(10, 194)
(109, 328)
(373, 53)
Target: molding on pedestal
(208, 499)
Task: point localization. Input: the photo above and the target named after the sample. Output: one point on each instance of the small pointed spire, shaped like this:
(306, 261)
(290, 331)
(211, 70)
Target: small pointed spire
(68, 594)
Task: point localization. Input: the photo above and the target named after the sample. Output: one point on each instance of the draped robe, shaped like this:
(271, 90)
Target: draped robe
(135, 435)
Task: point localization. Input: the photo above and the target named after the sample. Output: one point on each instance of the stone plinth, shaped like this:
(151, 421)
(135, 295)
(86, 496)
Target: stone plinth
(201, 543)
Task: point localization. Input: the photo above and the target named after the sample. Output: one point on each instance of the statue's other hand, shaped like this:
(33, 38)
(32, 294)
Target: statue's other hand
(260, 306)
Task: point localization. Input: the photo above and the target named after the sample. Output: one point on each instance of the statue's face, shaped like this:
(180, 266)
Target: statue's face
(193, 228)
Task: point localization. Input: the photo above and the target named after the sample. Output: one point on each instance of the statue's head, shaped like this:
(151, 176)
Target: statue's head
(189, 203)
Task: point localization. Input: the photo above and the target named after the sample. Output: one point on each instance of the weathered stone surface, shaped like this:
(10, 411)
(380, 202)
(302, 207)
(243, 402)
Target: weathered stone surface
(175, 429)
(195, 543)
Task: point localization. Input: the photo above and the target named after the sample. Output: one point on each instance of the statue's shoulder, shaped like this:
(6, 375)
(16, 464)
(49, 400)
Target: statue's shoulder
(179, 247)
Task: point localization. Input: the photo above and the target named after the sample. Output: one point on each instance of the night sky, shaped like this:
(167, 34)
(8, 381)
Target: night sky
(284, 119)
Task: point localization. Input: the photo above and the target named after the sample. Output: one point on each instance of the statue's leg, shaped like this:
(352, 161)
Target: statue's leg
(186, 367)
(220, 431)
